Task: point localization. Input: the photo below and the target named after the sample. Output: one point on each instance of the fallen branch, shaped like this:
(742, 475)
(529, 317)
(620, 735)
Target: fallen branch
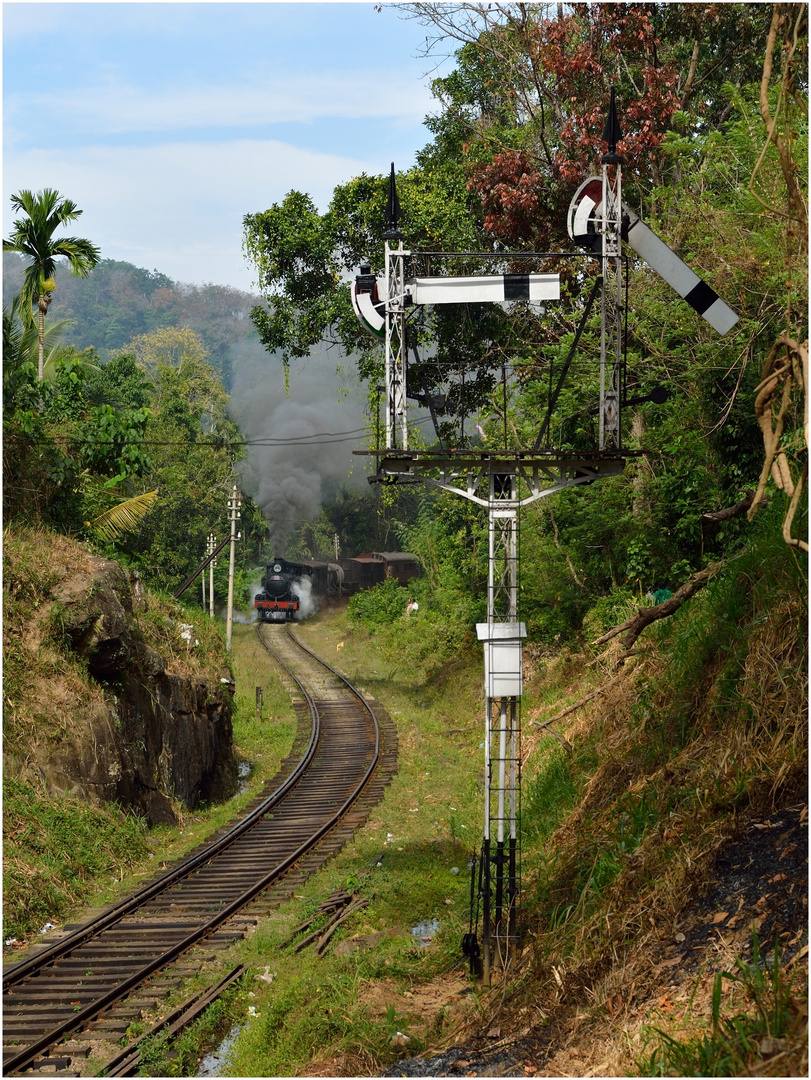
(739, 508)
(634, 626)
(324, 940)
(564, 742)
(573, 708)
(621, 660)
(335, 901)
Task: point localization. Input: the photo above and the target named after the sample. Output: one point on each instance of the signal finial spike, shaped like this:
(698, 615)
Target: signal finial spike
(392, 211)
(612, 133)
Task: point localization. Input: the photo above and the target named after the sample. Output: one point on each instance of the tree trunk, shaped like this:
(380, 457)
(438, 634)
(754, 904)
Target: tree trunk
(43, 303)
(41, 350)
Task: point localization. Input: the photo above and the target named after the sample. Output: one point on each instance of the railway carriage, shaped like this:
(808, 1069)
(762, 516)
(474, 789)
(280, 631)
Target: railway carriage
(280, 599)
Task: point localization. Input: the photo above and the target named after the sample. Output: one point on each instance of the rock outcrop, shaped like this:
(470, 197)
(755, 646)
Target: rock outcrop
(150, 729)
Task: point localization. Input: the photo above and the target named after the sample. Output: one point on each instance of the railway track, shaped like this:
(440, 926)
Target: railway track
(95, 979)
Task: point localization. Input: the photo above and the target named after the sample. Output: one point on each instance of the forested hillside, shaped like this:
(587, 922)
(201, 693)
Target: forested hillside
(119, 302)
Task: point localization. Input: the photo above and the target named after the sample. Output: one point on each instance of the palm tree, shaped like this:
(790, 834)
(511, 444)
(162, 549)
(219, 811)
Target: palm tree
(33, 236)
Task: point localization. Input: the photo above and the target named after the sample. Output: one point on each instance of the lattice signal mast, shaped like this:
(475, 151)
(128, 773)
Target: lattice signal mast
(504, 480)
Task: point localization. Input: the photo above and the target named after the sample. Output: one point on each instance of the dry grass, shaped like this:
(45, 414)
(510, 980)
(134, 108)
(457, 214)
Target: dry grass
(703, 731)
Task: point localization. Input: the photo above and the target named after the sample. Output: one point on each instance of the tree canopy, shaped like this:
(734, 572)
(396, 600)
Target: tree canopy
(712, 102)
(33, 237)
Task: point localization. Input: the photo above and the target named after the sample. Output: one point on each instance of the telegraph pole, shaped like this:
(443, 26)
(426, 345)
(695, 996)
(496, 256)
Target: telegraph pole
(234, 503)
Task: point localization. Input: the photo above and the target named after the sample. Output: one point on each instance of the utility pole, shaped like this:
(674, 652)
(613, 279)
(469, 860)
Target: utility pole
(212, 540)
(234, 503)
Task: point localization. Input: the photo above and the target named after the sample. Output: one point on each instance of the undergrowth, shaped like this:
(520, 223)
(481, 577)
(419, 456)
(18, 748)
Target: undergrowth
(750, 1034)
(706, 727)
(427, 639)
(55, 848)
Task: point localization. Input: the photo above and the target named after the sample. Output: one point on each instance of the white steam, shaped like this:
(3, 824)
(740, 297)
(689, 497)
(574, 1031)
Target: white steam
(306, 439)
(307, 602)
(254, 589)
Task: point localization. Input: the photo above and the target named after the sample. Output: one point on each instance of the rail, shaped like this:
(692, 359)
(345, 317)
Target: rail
(192, 872)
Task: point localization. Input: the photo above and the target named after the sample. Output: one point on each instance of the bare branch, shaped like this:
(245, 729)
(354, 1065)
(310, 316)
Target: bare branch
(634, 626)
(737, 510)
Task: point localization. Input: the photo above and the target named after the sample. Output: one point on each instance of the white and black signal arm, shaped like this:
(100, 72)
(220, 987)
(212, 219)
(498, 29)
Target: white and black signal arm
(585, 223)
(483, 288)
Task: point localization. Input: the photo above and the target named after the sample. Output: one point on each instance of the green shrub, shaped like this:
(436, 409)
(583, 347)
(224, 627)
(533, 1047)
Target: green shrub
(379, 606)
(611, 610)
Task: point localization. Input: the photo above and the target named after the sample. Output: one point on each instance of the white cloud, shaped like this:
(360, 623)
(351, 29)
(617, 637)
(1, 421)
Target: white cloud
(178, 208)
(114, 107)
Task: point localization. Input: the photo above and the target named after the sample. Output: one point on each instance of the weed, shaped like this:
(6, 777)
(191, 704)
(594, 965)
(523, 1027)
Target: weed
(739, 1043)
(549, 794)
(43, 876)
(395, 1025)
(152, 1051)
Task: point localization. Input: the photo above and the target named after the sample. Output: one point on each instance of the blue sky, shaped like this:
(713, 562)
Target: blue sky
(167, 122)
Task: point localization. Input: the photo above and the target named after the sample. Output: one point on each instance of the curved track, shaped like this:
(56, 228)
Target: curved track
(70, 984)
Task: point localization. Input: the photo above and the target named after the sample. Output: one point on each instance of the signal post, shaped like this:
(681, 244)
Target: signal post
(505, 480)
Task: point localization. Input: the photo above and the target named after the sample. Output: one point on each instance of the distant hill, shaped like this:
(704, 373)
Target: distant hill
(118, 301)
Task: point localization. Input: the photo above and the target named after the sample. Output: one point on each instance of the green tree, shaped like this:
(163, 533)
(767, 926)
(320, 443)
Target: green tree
(715, 131)
(193, 444)
(33, 236)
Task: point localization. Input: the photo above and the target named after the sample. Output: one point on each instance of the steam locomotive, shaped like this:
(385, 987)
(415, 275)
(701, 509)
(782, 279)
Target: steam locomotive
(278, 602)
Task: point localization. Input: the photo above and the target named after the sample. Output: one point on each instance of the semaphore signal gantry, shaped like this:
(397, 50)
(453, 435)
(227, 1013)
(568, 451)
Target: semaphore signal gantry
(507, 479)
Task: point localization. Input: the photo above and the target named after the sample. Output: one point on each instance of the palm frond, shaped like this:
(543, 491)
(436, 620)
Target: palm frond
(59, 353)
(122, 518)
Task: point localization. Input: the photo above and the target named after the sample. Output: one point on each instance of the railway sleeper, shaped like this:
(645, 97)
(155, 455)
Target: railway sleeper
(50, 1066)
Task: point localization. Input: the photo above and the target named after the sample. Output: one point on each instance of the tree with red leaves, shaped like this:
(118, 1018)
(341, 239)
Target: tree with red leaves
(552, 74)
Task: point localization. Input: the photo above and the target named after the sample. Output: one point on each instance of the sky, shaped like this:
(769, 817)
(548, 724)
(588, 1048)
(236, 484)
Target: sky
(166, 123)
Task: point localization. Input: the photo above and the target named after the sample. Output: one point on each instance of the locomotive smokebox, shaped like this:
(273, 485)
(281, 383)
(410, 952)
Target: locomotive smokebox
(275, 582)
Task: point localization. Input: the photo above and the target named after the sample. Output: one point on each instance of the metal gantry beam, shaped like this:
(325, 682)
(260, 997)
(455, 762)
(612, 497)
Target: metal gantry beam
(467, 473)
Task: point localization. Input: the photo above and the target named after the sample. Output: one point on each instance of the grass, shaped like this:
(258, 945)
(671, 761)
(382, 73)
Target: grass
(752, 1033)
(262, 743)
(43, 876)
(423, 834)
